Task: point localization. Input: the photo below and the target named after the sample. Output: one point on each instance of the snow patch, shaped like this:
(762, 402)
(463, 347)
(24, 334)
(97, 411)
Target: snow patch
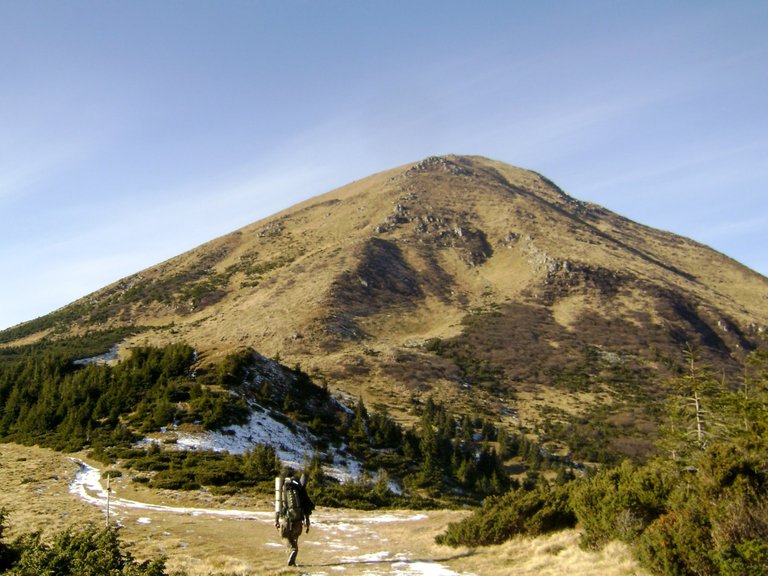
(401, 564)
(87, 485)
(292, 447)
(371, 557)
(385, 518)
(293, 444)
(100, 359)
(425, 569)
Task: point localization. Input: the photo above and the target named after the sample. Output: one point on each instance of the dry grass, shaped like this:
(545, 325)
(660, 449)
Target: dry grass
(554, 555)
(35, 489)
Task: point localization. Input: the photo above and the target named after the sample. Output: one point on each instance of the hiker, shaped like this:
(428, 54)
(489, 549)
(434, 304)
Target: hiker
(292, 510)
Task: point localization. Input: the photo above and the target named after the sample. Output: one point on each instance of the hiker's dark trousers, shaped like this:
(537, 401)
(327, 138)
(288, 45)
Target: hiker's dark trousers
(291, 532)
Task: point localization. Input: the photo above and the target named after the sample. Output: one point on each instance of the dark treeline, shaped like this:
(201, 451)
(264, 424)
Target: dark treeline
(48, 396)
(193, 469)
(440, 456)
(446, 459)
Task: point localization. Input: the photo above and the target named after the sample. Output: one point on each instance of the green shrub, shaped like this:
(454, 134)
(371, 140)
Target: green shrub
(87, 552)
(175, 480)
(519, 511)
(619, 503)
(677, 544)
(217, 475)
(718, 519)
(749, 558)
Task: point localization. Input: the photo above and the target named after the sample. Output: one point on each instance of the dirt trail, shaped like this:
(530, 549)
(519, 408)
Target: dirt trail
(336, 537)
(204, 534)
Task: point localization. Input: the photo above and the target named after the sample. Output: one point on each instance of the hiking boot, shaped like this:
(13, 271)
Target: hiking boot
(292, 558)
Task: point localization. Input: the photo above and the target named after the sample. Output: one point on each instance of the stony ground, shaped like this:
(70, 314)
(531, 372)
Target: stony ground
(203, 534)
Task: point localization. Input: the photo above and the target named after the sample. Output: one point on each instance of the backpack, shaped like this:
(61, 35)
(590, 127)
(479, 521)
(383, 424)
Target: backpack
(292, 508)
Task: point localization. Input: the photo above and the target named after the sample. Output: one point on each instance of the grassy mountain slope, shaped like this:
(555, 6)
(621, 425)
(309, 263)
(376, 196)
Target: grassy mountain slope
(463, 278)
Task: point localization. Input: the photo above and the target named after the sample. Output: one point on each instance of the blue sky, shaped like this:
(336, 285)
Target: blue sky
(133, 131)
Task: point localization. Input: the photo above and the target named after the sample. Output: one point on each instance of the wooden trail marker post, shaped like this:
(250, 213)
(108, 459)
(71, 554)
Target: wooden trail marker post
(109, 489)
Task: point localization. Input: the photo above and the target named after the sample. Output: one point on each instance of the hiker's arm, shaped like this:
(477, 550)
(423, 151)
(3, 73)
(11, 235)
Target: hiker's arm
(306, 522)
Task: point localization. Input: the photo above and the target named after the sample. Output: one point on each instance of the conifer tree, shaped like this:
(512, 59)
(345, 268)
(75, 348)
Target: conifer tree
(749, 405)
(695, 410)
(430, 471)
(358, 430)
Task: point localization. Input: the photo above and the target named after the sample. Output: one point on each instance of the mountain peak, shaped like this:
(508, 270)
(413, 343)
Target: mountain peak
(457, 276)
(442, 163)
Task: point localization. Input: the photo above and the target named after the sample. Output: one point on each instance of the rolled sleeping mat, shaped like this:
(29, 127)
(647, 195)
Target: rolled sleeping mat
(278, 493)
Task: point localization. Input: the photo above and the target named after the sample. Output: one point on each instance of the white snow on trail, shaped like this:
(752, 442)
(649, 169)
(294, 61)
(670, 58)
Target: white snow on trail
(422, 568)
(335, 529)
(401, 565)
(87, 485)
